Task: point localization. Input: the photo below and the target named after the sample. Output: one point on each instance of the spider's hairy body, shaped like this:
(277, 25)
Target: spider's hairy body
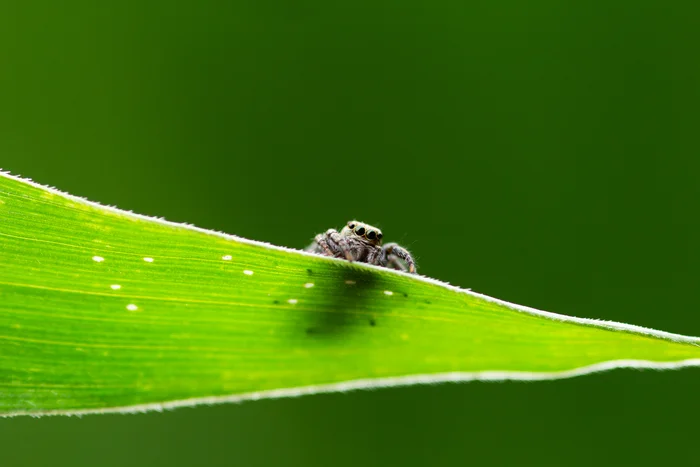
(361, 242)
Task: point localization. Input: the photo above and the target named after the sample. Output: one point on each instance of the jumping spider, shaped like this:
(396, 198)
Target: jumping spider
(361, 242)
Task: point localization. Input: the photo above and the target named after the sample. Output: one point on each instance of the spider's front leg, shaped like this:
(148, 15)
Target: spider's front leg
(391, 251)
(341, 243)
(333, 244)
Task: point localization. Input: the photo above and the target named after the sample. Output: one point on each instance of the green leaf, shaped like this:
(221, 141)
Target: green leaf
(103, 310)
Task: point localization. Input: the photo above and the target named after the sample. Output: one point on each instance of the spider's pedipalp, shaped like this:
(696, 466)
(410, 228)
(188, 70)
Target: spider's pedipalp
(373, 256)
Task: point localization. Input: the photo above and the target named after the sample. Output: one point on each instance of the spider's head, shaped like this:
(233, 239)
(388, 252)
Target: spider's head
(363, 232)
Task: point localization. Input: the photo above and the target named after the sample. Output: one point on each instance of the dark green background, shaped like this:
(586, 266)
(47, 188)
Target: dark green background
(542, 152)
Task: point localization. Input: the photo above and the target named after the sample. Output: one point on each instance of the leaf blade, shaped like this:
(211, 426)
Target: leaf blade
(105, 310)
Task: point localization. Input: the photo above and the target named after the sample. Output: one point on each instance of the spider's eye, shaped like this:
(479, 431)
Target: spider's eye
(360, 231)
(379, 236)
(351, 225)
(371, 234)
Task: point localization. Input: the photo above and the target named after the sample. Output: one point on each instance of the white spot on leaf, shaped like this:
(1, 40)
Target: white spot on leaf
(115, 286)
(293, 301)
(227, 258)
(308, 285)
(388, 292)
(148, 260)
(132, 307)
(98, 259)
(248, 272)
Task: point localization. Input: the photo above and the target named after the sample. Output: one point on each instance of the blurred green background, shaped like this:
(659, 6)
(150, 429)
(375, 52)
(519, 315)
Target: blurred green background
(541, 152)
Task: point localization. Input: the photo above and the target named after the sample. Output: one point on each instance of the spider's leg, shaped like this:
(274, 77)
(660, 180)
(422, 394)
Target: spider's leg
(393, 250)
(396, 264)
(321, 241)
(340, 243)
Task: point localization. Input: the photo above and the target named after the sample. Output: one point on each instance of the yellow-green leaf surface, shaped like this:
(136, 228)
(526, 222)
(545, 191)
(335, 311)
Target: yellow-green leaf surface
(102, 310)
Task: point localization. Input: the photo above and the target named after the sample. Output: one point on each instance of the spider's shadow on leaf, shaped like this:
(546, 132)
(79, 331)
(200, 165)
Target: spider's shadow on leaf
(346, 310)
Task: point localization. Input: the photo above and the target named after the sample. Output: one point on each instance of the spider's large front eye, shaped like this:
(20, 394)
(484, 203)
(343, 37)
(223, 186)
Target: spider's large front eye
(371, 234)
(360, 231)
